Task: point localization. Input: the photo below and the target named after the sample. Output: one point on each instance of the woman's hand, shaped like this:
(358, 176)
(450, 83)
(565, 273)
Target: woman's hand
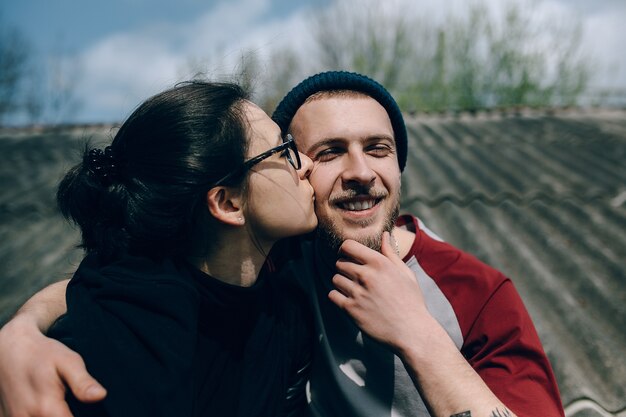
(34, 371)
(380, 293)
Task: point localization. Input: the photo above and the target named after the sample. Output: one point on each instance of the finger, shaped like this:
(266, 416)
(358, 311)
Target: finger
(349, 269)
(84, 387)
(345, 285)
(338, 298)
(388, 249)
(358, 252)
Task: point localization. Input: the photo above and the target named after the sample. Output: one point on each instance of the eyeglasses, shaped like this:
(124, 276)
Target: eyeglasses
(289, 149)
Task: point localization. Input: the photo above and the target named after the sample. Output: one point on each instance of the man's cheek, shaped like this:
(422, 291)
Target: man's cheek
(321, 187)
(318, 208)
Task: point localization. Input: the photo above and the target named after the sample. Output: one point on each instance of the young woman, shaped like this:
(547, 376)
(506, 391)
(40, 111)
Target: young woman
(174, 308)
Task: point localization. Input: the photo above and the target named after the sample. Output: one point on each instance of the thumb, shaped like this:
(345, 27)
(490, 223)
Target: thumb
(84, 387)
(389, 248)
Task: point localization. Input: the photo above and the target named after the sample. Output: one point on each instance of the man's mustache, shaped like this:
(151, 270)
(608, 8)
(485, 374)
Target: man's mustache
(360, 192)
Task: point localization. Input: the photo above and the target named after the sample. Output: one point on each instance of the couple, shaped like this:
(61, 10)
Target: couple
(177, 311)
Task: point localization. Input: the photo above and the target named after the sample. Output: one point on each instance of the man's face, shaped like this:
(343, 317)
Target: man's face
(356, 176)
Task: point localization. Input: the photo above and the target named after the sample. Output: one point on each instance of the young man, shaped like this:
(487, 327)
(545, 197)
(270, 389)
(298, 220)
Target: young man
(443, 334)
(463, 341)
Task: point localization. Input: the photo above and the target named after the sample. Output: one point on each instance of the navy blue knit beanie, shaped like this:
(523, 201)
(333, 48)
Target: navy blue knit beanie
(343, 80)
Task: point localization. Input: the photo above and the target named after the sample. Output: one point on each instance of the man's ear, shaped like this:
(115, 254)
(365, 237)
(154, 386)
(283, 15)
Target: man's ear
(225, 204)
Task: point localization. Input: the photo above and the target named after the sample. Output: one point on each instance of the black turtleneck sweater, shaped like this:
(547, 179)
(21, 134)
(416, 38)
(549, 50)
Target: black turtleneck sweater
(168, 340)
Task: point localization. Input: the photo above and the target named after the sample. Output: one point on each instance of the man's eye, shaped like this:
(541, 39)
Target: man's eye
(379, 150)
(327, 154)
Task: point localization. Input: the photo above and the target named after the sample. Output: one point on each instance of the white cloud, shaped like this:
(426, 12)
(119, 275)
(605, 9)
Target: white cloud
(121, 70)
(126, 65)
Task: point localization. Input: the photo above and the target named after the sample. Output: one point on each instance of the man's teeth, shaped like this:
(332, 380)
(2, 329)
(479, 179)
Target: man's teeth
(359, 205)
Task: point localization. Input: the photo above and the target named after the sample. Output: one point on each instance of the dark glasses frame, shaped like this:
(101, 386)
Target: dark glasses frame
(288, 143)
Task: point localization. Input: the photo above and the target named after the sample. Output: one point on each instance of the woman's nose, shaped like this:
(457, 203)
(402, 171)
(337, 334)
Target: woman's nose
(306, 167)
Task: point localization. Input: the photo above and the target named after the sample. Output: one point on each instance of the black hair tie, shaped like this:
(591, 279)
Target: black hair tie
(102, 165)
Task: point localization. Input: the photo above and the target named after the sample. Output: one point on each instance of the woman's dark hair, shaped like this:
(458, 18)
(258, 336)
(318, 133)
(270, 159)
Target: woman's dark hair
(142, 195)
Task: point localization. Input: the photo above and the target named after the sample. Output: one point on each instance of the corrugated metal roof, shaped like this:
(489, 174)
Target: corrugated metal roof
(37, 246)
(542, 197)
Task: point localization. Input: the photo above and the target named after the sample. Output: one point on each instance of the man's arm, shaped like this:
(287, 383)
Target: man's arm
(35, 369)
(381, 294)
(43, 308)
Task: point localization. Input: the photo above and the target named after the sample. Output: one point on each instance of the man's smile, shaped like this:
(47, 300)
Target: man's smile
(359, 204)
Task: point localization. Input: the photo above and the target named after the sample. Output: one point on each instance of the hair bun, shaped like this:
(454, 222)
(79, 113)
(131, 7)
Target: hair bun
(102, 165)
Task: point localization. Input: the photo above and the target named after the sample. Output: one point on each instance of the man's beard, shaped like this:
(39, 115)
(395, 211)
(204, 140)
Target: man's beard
(330, 232)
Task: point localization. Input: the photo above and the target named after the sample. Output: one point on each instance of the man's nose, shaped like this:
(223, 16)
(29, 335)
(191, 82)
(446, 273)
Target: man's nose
(357, 169)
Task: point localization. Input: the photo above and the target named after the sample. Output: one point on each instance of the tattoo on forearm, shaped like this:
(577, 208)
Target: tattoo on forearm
(500, 413)
(495, 413)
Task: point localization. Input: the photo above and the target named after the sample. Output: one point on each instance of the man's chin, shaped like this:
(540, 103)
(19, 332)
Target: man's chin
(372, 241)
(368, 232)
(334, 235)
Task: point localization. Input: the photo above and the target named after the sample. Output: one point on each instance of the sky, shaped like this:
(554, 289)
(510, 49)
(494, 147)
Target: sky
(119, 52)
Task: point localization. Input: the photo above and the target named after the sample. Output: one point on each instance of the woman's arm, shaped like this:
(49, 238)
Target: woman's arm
(35, 369)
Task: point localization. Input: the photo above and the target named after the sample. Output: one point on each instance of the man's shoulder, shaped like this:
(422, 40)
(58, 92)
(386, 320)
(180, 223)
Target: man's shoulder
(415, 225)
(443, 261)
(292, 261)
